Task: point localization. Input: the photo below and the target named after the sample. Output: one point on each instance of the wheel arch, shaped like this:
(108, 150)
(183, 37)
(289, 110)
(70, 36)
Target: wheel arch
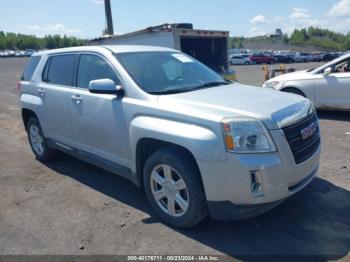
(26, 115)
(147, 146)
(291, 87)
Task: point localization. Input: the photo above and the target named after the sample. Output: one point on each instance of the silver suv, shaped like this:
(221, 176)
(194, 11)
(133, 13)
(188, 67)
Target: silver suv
(196, 143)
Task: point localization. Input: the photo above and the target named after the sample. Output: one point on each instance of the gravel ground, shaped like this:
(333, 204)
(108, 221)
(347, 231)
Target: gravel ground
(71, 207)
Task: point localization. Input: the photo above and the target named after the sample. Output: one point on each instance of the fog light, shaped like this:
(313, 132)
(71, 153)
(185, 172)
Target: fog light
(256, 184)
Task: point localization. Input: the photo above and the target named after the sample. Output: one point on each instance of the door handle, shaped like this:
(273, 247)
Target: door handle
(76, 98)
(41, 92)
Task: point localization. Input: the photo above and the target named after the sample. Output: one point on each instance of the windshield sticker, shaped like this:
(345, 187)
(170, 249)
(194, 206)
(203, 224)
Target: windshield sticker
(183, 58)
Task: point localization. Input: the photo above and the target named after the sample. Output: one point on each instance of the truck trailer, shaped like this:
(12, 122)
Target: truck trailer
(208, 46)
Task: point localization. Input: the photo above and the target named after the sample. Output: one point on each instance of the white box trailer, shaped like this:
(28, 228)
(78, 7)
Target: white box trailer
(208, 46)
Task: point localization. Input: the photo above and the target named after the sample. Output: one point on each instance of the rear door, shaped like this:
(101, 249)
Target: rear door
(98, 119)
(55, 89)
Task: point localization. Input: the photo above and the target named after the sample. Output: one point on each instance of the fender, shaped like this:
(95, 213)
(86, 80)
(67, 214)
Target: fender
(30, 101)
(202, 142)
(33, 103)
(307, 89)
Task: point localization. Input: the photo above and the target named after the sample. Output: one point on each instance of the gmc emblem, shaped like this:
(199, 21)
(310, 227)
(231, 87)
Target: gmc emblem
(309, 131)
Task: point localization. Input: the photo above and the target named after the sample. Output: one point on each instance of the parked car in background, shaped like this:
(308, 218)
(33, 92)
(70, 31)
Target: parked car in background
(239, 60)
(29, 52)
(261, 59)
(302, 57)
(20, 53)
(282, 59)
(196, 143)
(11, 53)
(327, 86)
(311, 57)
(331, 56)
(319, 57)
(5, 53)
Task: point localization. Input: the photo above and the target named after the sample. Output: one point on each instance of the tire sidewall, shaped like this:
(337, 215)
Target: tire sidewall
(197, 209)
(47, 154)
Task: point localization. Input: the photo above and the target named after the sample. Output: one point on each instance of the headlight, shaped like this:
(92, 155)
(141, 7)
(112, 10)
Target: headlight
(272, 84)
(246, 136)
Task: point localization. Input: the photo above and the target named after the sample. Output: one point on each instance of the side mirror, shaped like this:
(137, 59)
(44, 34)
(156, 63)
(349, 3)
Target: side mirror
(327, 71)
(105, 86)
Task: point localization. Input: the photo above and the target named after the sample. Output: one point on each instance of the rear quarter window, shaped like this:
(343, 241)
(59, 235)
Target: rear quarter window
(59, 70)
(30, 68)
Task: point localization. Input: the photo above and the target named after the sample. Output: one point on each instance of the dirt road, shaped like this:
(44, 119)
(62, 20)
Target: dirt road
(71, 207)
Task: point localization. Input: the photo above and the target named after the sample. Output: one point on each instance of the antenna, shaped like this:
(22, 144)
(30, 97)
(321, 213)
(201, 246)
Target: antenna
(108, 10)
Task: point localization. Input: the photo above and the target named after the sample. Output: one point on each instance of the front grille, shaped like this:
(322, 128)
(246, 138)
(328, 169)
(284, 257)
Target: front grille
(302, 149)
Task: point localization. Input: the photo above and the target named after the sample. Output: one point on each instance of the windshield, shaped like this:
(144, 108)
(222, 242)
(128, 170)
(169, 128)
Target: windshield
(168, 72)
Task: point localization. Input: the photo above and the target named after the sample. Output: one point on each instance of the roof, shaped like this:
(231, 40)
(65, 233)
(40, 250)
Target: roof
(112, 48)
(137, 48)
(169, 28)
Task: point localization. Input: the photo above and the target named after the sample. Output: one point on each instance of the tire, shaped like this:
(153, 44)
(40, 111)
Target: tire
(38, 142)
(176, 165)
(294, 91)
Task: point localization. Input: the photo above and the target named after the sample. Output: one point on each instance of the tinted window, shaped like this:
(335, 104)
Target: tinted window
(92, 67)
(60, 70)
(30, 68)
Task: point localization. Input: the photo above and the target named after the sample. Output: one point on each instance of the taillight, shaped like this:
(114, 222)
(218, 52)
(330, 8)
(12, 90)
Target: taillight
(18, 84)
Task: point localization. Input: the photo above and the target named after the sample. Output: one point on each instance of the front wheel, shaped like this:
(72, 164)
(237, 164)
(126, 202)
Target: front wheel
(174, 188)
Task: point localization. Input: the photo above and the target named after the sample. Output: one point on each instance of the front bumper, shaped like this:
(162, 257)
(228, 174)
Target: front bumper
(228, 184)
(227, 211)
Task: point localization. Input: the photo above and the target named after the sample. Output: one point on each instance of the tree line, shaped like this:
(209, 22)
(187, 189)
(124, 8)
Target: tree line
(322, 38)
(15, 41)
(313, 37)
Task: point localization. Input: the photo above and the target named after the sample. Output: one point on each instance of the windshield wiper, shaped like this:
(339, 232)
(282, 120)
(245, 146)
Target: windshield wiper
(212, 84)
(189, 89)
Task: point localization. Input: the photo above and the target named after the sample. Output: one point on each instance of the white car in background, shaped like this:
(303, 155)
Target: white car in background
(327, 86)
(300, 58)
(239, 60)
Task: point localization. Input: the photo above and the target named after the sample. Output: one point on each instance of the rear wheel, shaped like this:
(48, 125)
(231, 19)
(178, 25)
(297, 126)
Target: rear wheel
(37, 141)
(174, 188)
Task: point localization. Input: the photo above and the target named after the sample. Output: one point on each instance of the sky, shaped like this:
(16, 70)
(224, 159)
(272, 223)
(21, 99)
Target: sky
(86, 19)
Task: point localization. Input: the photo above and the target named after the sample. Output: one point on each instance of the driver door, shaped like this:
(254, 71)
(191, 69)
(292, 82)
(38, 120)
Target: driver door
(333, 90)
(98, 119)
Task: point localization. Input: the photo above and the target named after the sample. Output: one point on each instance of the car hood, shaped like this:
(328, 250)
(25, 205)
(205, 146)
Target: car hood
(235, 100)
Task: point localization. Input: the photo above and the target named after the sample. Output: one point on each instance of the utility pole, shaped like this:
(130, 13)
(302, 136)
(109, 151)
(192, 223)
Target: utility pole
(108, 10)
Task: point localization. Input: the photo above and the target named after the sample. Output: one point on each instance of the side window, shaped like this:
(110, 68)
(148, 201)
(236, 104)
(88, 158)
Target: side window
(59, 70)
(92, 67)
(342, 67)
(30, 68)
